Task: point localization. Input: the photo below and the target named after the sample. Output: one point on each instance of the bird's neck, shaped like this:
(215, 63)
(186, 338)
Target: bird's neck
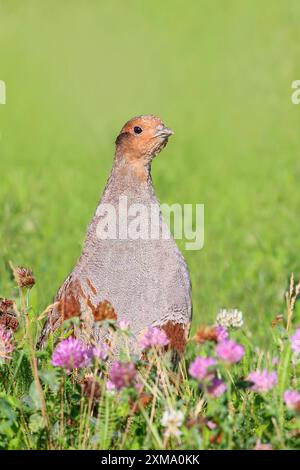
(131, 178)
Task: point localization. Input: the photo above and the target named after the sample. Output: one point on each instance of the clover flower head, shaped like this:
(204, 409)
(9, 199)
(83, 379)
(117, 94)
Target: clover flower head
(216, 388)
(122, 374)
(221, 333)
(110, 387)
(24, 277)
(292, 399)
(172, 420)
(153, 337)
(230, 318)
(263, 381)
(211, 424)
(6, 344)
(229, 351)
(70, 354)
(295, 341)
(101, 351)
(199, 368)
(8, 314)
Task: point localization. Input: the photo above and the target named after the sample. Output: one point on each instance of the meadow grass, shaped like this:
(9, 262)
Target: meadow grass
(57, 399)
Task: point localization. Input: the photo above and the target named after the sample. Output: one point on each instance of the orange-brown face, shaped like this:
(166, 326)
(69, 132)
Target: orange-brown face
(142, 137)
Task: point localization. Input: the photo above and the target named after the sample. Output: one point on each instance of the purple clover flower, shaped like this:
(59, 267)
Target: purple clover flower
(110, 387)
(222, 333)
(229, 351)
(211, 424)
(153, 337)
(122, 374)
(6, 344)
(70, 354)
(295, 341)
(100, 352)
(199, 368)
(216, 388)
(263, 381)
(292, 399)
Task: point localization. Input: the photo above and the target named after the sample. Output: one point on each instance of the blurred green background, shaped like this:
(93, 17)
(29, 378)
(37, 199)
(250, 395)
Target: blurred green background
(219, 73)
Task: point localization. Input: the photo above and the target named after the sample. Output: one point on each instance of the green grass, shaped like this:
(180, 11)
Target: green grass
(219, 75)
(47, 407)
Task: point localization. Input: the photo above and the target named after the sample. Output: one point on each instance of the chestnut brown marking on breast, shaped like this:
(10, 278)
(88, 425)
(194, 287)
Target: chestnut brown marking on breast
(206, 333)
(91, 306)
(104, 311)
(69, 304)
(91, 286)
(177, 334)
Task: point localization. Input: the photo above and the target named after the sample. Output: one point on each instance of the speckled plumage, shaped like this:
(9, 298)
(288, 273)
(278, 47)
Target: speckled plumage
(146, 281)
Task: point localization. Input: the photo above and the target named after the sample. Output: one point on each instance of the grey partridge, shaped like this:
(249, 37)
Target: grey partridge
(143, 280)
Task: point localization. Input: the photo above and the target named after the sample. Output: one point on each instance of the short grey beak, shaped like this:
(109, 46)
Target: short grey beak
(164, 132)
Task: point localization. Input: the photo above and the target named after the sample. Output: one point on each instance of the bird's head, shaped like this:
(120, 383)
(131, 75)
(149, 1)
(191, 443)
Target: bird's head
(142, 138)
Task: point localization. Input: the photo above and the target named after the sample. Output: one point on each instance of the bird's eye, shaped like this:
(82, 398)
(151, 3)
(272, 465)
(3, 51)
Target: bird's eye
(137, 130)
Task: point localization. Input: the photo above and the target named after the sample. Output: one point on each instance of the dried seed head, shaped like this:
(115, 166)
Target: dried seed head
(24, 277)
(91, 387)
(8, 314)
(7, 307)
